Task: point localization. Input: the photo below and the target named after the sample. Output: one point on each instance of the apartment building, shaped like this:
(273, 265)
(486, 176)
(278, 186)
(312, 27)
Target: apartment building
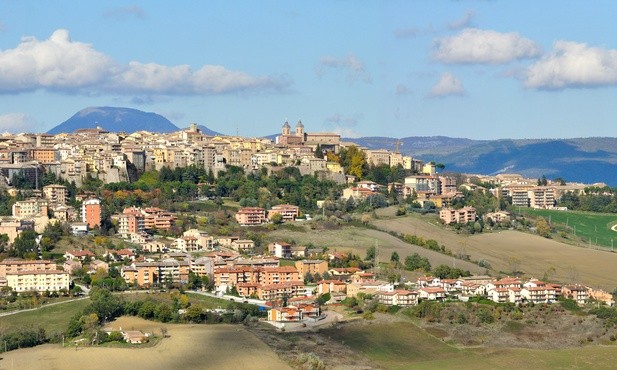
(403, 298)
(91, 212)
(54, 193)
(424, 183)
(13, 266)
(280, 249)
(287, 211)
(33, 207)
(251, 216)
(38, 281)
(153, 273)
(464, 215)
(311, 267)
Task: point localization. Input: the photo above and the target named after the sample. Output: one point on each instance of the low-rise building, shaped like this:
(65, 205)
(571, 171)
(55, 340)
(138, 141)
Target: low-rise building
(9, 266)
(287, 211)
(432, 293)
(248, 216)
(280, 249)
(331, 286)
(578, 293)
(243, 245)
(311, 267)
(464, 215)
(403, 298)
(78, 255)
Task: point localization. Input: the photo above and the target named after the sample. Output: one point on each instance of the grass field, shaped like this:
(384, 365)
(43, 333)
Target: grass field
(53, 318)
(402, 345)
(591, 228)
(358, 239)
(187, 347)
(508, 251)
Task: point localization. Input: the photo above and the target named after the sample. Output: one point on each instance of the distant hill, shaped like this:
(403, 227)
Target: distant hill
(207, 131)
(586, 160)
(115, 119)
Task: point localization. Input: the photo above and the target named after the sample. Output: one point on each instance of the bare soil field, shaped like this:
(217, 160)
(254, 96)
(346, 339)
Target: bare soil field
(357, 240)
(187, 347)
(512, 250)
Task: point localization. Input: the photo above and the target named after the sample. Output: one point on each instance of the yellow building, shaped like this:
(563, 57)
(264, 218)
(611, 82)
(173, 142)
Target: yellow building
(38, 281)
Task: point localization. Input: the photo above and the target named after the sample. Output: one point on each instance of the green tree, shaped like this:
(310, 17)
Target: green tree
(394, 258)
(371, 253)
(276, 218)
(24, 245)
(543, 228)
(415, 262)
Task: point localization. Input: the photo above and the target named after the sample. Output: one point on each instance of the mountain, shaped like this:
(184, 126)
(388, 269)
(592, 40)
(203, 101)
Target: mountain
(587, 160)
(115, 119)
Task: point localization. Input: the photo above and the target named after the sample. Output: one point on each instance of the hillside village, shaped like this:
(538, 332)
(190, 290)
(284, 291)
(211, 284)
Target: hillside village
(91, 198)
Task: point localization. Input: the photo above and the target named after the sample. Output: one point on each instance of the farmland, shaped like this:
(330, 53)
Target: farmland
(508, 251)
(402, 345)
(589, 228)
(358, 239)
(54, 319)
(188, 347)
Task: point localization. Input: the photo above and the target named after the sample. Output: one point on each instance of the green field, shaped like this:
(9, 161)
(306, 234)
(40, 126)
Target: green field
(590, 228)
(402, 345)
(52, 318)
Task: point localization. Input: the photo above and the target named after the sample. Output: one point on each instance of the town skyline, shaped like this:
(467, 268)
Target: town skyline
(480, 70)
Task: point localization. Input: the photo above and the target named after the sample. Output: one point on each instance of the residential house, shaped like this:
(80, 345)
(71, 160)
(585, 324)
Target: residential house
(432, 293)
(578, 293)
(243, 245)
(78, 255)
(331, 286)
(280, 249)
(403, 298)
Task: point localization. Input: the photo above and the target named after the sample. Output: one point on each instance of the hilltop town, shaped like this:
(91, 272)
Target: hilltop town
(187, 211)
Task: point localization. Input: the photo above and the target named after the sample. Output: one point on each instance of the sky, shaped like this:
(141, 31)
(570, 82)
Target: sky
(474, 69)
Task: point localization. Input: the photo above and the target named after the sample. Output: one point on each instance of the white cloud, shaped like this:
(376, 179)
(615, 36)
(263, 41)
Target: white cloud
(56, 63)
(350, 63)
(16, 123)
(346, 132)
(343, 125)
(64, 65)
(447, 85)
(573, 64)
(463, 22)
(473, 45)
(126, 12)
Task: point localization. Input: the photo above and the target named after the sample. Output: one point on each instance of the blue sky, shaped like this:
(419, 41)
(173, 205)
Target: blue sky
(476, 69)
